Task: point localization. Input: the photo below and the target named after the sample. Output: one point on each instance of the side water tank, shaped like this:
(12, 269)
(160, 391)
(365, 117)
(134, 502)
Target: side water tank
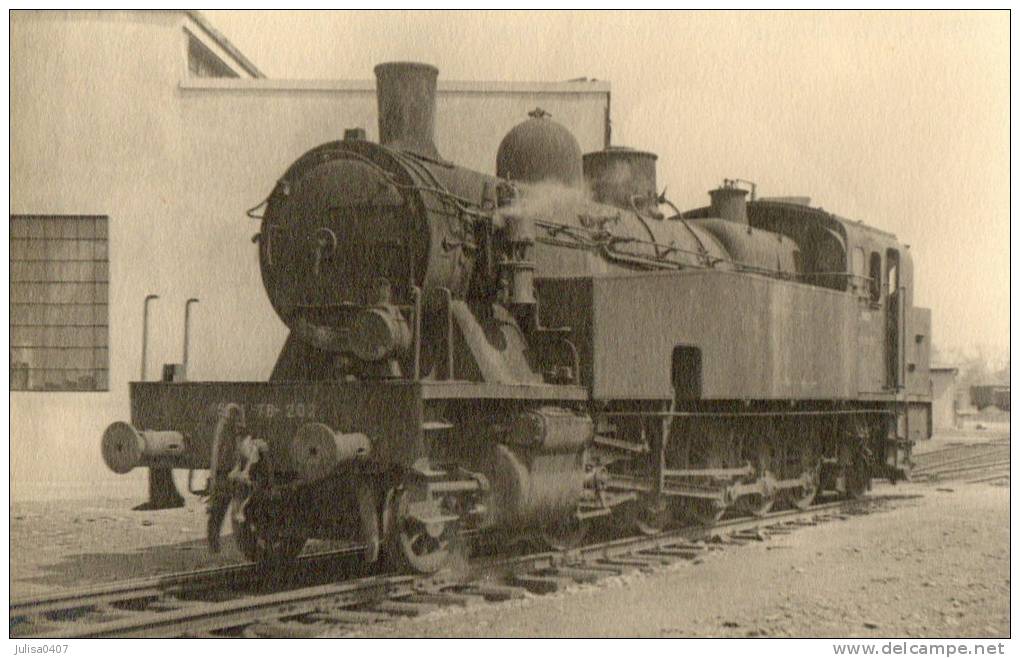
(540, 150)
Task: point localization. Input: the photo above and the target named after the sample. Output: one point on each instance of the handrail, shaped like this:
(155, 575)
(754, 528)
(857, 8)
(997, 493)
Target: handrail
(187, 333)
(416, 294)
(145, 331)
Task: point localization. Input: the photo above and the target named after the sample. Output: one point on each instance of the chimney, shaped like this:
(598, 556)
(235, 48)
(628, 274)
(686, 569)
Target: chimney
(728, 202)
(406, 93)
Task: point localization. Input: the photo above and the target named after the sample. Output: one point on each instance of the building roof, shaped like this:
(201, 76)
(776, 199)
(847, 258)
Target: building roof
(270, 85)
(224, 43)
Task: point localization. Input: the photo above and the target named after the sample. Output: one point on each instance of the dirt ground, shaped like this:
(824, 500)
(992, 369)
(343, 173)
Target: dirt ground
(59, 544)
(935, 566)
(972, 430)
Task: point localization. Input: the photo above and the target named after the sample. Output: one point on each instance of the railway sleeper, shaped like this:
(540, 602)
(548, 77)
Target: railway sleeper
(349, 617)
(584, 575)
(665, 551)
(165, 605)
(102, 613)
(32, 626)
(287, 630)
(644, 563)
(608, 569)
(753, 535)
(538, 584)
(497, 593)
(459, 599)
(404, 608)
(779, 530)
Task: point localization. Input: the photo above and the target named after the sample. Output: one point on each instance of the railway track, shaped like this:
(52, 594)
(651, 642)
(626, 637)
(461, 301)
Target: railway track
(978, 462)
(185, 585)
(308, 601)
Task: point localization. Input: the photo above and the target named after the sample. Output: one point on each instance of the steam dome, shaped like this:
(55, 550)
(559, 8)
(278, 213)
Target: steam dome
(540, 150)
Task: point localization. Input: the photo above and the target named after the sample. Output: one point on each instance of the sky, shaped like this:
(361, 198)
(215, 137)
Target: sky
(897, 119)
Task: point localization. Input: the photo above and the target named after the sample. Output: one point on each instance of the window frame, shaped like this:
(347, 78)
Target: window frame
(875, 277)
(892, 271)
(858, 262)
(49, 316)
(208, 65)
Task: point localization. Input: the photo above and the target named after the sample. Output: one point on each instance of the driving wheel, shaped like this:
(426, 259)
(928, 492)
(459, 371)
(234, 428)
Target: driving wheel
(649, 515)
(809, 466)
(700, 511)
(759, 504)
(261, 539)
(565, 534)
(414, 545)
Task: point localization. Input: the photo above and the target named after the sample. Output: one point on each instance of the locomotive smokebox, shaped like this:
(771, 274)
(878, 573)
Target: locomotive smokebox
(729, 202)
(621, 176)
(406, 93)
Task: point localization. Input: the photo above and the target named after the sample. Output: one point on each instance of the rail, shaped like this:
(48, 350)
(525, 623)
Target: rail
(149, 608)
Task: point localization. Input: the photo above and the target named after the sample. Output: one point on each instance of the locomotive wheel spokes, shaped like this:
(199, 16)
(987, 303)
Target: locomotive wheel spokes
(809, 464)
(565, 534)
(650, 515)
(802, 497)
(415, 545)
(756, 504)
(261, 541)
(710, 447)
(856, 479)
(854, 458)
(759, 504)
(701, 511)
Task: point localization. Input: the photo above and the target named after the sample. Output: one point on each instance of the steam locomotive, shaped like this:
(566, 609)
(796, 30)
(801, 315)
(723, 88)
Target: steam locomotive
(526, 353)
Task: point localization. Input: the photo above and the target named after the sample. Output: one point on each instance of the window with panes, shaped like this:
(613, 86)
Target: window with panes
(59, 303)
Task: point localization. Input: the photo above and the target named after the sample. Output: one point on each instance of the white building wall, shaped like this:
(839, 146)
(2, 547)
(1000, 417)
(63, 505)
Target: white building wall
(93, 132)
(943, 398)
(104, 122)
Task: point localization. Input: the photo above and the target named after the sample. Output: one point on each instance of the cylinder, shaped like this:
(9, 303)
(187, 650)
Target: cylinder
(729, 203)
(549, 429)
(124, 447)
(533, 490)
(378, 332)
(317, 450)
(619, 176)
(406, 94)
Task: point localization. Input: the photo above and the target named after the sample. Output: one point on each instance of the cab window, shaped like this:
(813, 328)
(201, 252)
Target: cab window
(857, 268)
(892, 270)
(875, 274)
